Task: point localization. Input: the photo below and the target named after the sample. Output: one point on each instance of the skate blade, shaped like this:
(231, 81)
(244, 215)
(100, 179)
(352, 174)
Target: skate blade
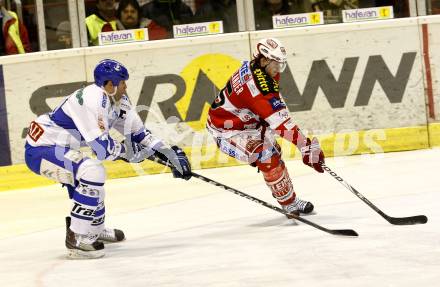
(79, 254)
(300, 214)
(109, 241)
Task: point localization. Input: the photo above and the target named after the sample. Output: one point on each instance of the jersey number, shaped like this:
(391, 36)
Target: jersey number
(219, 100)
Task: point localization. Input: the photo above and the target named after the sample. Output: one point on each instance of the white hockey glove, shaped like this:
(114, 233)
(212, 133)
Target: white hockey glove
(312, 154)
(133, 152)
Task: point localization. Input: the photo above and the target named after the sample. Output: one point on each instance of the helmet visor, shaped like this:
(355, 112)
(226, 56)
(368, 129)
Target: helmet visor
(279, 67)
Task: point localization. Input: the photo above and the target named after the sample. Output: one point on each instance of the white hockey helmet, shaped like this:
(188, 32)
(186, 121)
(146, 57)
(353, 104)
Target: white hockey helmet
(272, 49)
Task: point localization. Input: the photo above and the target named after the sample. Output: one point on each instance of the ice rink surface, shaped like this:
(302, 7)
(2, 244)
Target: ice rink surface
(195, 234)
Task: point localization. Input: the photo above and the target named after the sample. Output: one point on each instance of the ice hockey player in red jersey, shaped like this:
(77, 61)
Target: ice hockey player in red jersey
(247, 115)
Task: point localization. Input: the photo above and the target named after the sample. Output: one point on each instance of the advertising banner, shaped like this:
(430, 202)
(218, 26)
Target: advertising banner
(198, 29)
(359, 87)
(367, 14)
(296, 20)
(123, 36)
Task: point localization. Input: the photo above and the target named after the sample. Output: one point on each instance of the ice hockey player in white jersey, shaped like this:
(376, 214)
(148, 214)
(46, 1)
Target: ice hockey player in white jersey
(85, 118)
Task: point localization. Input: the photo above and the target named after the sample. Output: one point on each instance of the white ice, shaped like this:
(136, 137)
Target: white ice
(195, 234)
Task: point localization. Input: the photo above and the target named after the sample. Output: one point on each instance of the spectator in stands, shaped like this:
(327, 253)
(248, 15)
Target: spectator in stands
(400, 8)
(128, 14)
(167, 13)
(64, 35)
(264, 10)
(142, 2)
(14, 35)
(332, 8)
(216, 10)
(103, 20)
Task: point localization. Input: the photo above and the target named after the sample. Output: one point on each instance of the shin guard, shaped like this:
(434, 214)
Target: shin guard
(279, 182)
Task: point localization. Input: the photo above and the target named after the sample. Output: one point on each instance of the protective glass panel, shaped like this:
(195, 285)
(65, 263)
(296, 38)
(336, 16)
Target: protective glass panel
(58, 28)
(433, 7)
(158, 16)
(19, 21)
(332, 10)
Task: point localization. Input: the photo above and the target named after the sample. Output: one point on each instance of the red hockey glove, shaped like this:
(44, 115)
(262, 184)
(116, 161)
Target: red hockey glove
(312, 154)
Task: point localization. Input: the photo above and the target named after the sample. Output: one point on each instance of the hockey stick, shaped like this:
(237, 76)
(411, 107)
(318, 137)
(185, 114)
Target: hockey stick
(418, 219)
(343, 232)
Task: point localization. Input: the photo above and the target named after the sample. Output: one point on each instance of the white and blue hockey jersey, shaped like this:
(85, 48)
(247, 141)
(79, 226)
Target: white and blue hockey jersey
(85, 118)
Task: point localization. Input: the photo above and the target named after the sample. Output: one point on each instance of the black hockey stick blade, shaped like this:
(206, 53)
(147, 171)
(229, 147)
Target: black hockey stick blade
(345, 232)
(341, 232)
(410, 220)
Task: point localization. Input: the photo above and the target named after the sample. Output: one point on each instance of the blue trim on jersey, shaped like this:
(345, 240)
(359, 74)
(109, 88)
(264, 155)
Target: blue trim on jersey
(101, 146)
(62, 119)
(91, 182)
(138, 136)
(100, 212)
(81, 217)
(87, 200)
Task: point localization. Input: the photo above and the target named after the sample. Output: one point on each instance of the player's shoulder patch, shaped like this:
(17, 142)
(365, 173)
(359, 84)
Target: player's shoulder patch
(277, 103)
(253, 88)
(104, 100)
(264, 82)
(245, 72)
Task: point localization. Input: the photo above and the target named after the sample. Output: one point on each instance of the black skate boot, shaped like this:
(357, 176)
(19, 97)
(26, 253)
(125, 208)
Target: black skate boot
(109, 235)
(297, 207)
(82, 246)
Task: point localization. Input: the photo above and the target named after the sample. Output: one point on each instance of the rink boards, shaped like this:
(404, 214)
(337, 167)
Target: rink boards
(362, 88)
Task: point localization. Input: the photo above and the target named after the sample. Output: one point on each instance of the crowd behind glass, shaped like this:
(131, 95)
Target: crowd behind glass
(20, 30)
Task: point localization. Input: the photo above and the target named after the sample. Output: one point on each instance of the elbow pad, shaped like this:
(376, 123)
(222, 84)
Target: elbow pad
(106, 148)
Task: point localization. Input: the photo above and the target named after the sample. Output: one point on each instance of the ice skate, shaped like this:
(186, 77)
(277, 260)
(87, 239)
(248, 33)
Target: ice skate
(109, 235)
(82, 246)
(298, 206)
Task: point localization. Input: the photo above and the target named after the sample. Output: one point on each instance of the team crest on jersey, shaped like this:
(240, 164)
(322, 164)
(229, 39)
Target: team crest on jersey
(79, 96)
(127, 101)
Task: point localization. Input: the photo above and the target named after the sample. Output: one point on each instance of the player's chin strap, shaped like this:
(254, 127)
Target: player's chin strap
(111, 95)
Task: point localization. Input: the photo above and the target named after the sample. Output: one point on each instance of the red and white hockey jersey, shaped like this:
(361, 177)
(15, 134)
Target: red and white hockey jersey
(250, 99)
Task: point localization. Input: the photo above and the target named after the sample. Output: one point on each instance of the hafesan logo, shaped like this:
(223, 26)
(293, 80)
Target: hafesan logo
(316, 18)
(139, 34)
(214, 27)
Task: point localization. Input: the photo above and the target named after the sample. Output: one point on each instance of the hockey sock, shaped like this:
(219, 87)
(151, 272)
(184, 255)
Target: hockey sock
(279, 182)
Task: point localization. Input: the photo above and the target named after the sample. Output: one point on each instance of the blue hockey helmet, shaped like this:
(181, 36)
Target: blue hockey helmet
(110, 70)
